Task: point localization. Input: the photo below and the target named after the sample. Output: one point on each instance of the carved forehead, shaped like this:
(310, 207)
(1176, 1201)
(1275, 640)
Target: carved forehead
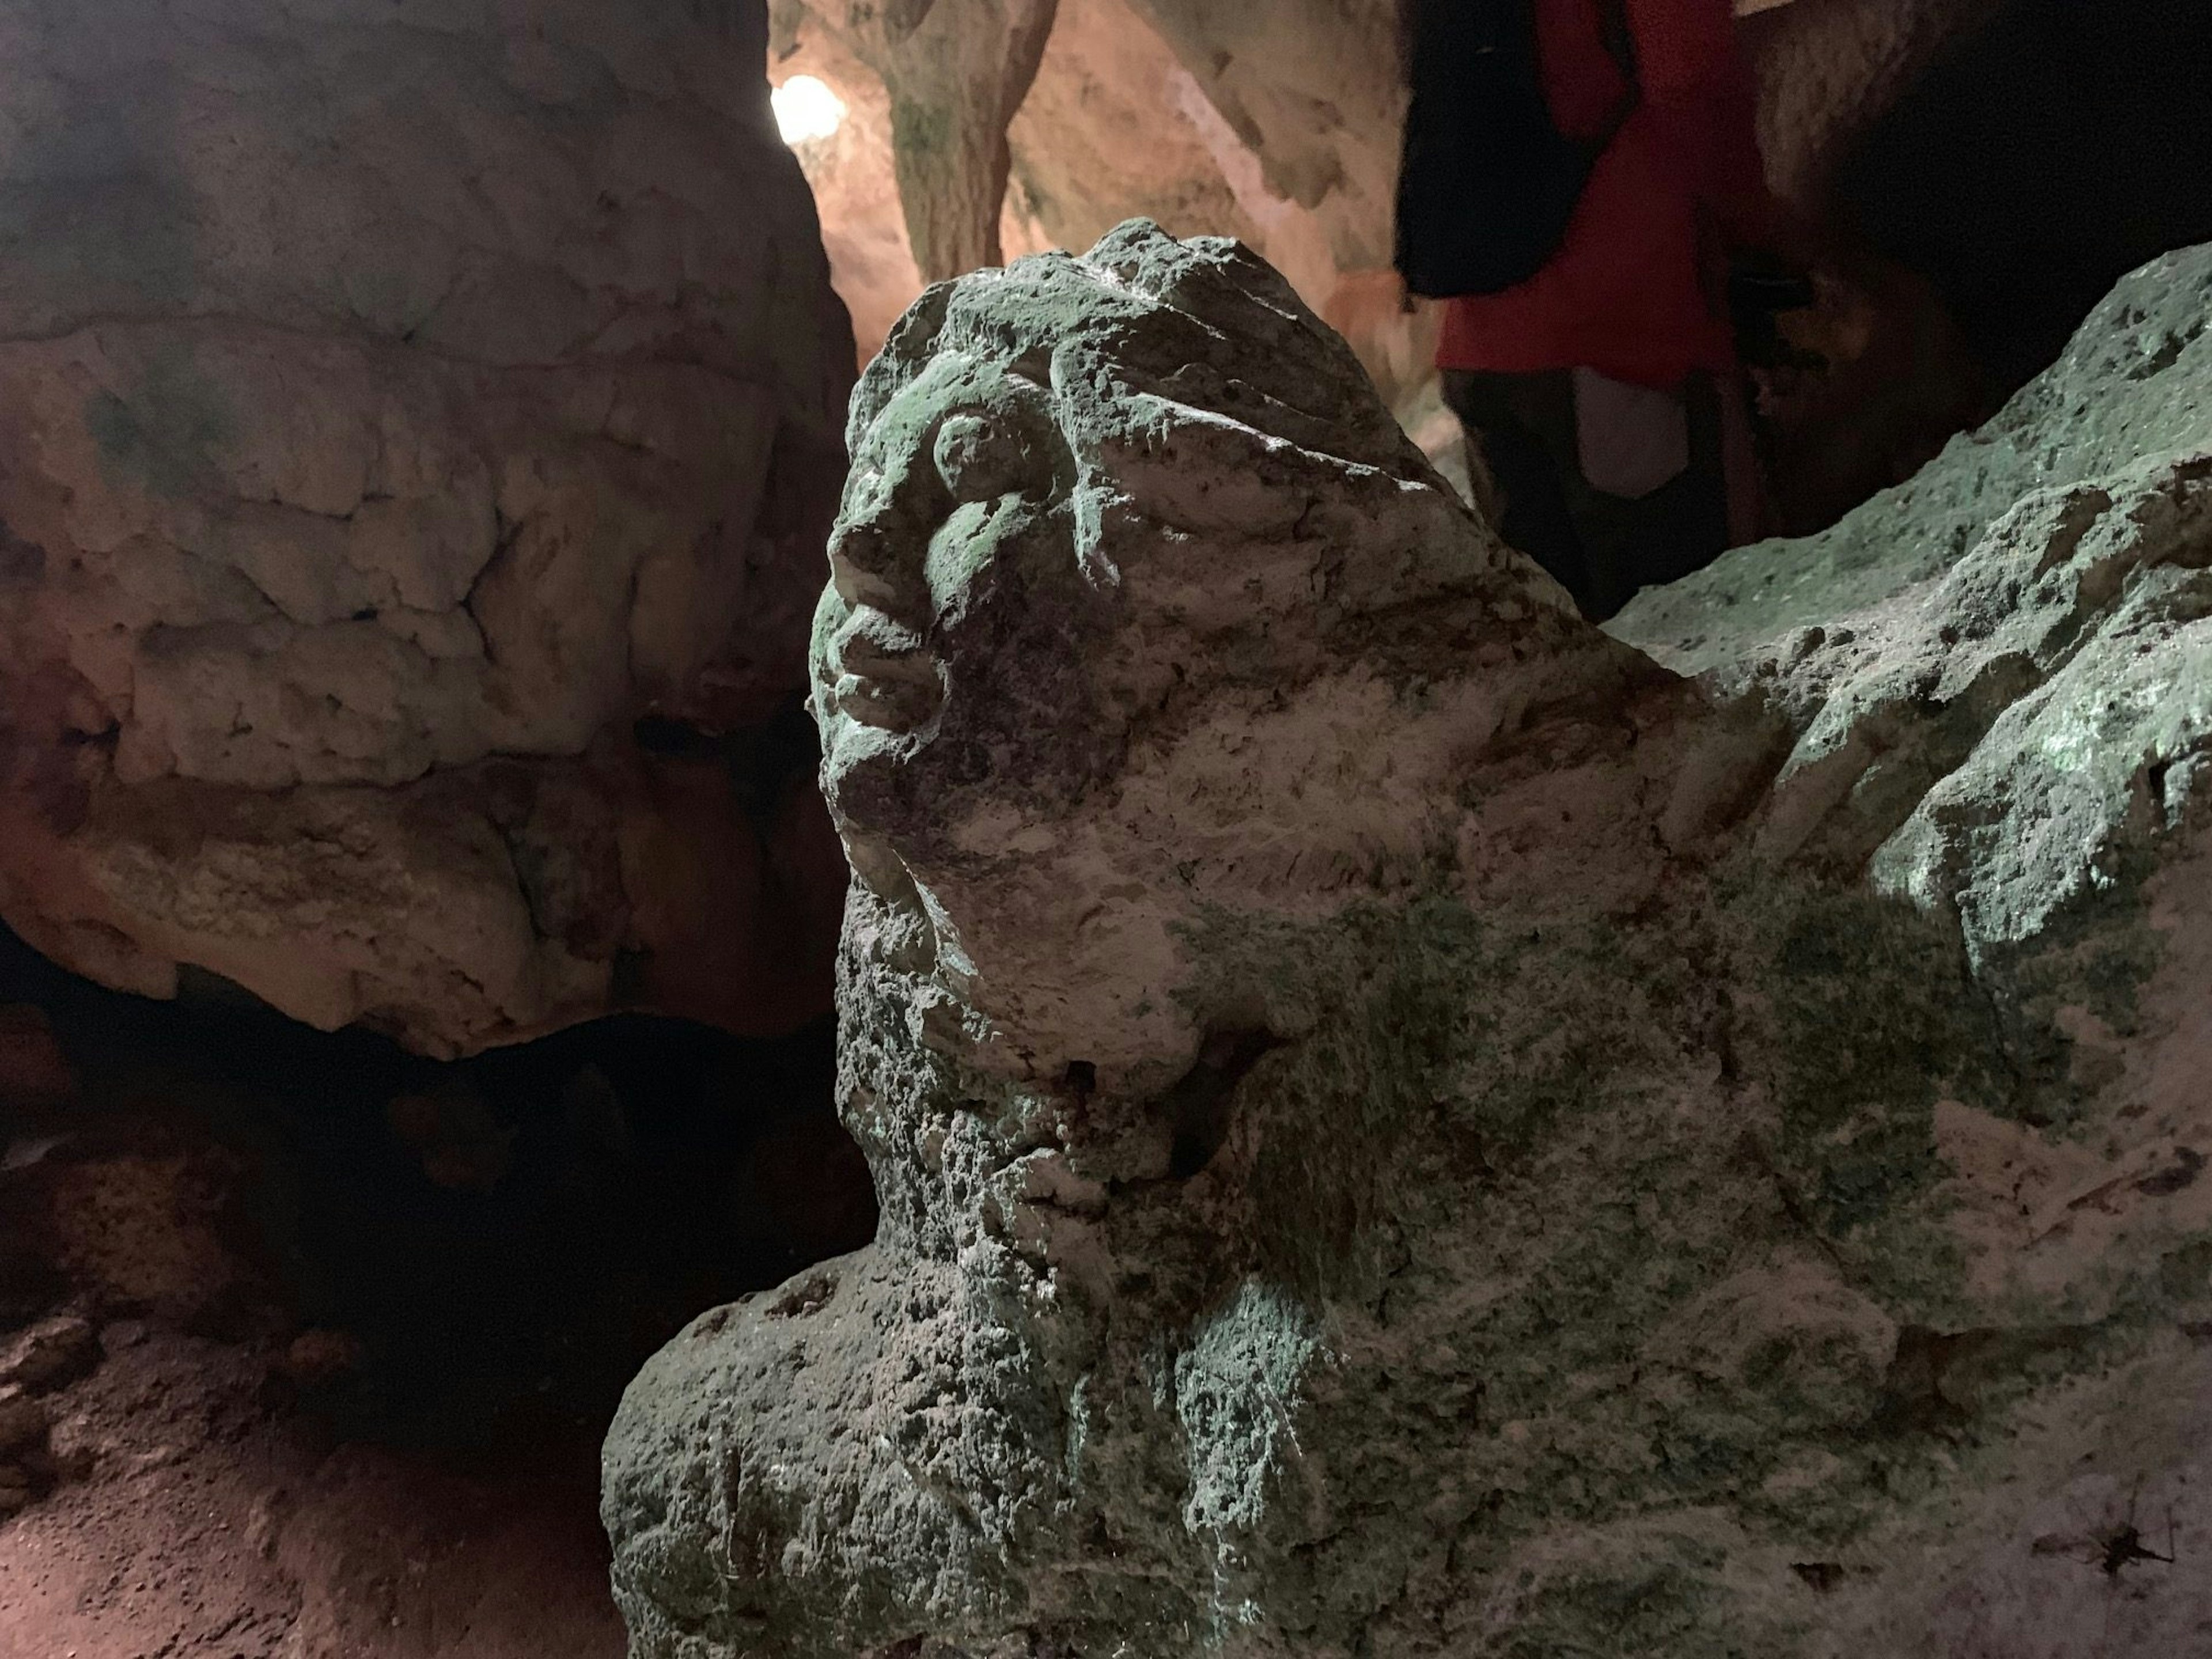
(971, 334)
(953, 386)
(1141, 321)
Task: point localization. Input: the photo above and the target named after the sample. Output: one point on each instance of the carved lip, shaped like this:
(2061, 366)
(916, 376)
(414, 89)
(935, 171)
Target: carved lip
(886, 678)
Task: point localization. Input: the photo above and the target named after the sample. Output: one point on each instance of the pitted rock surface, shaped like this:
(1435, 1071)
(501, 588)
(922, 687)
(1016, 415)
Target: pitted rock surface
(402, 400)
(956, 71)
(1406, 1127)
(2130, 396)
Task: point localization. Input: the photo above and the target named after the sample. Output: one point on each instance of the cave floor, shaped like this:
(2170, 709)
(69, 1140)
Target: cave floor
(211, 1516)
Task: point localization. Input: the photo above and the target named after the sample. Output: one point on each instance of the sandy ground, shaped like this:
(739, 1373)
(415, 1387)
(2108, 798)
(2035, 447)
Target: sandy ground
(199, 1511)
(307, 1347)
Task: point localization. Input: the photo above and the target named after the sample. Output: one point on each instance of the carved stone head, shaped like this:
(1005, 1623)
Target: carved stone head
(1119, 529)
(1402, 1128)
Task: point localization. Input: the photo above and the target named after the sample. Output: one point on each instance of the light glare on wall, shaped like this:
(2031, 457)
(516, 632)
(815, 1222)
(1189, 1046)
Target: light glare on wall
(805, 109)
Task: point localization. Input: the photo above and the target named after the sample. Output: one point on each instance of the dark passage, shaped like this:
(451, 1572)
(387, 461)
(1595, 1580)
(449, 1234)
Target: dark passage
(2059, 148)
(469, 1258)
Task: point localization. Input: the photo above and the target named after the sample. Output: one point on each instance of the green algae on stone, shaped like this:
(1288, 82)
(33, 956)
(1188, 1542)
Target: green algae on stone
(1406, 1132)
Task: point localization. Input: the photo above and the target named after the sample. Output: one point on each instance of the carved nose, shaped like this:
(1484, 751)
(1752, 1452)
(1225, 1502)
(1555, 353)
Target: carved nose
(865, 564)
(856, 561)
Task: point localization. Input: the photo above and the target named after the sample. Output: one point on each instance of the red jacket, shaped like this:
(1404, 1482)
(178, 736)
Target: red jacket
(1632, 291)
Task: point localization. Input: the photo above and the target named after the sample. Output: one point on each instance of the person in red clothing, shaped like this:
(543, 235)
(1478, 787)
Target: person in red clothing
(1602, 395)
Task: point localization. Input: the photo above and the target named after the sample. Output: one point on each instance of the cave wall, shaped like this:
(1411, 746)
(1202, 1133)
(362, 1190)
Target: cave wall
(1829, 71)
(306, 1343)
(1988, 171)
(1113, 127)
(1313, 88)
(402, 404)
(953, 73)
(1983, 170)
(1277, 125)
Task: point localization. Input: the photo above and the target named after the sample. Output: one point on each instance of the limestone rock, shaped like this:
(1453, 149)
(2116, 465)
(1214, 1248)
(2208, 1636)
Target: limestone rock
(1828, 69)
(1404, 1127)
(956, 71)
(403, 401)
(1115, 128)
(26, 1460)
(22, 1422)
(49, 1353)
(2134, 391)
(1313, 86)
(854, 181)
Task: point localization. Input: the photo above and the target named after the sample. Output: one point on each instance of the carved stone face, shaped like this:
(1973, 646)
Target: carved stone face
(1112, 527)
(943, 653)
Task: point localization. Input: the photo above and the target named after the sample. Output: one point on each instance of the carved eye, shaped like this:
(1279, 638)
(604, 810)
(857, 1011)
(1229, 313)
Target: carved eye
(981, 459)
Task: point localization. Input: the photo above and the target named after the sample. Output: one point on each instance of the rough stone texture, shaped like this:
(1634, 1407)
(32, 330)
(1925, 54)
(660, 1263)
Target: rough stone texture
(1405, 1127)
(1828, 69)
(307, 1345)
(956, 71)
(2132, 393)
(49, 1353)
(401, 400)
(1313, 88)
(194, 1518)
(1115, 128)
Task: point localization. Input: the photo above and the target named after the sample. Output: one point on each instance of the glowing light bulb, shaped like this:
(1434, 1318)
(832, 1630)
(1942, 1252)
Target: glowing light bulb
(805, 110)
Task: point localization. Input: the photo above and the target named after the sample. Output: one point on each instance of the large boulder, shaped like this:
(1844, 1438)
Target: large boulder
(401, 402)
(2132, 391)
(1406, 1127)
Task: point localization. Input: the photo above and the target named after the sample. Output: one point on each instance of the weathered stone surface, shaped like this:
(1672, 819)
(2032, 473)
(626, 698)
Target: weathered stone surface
(402, 401)
(1313, 86)
(1025, 496)
(1405, 1127)
(956, 71)
(1828, 69)
(2128, 401)
(49, 1353)
(1115, 128)
(22, 1422)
